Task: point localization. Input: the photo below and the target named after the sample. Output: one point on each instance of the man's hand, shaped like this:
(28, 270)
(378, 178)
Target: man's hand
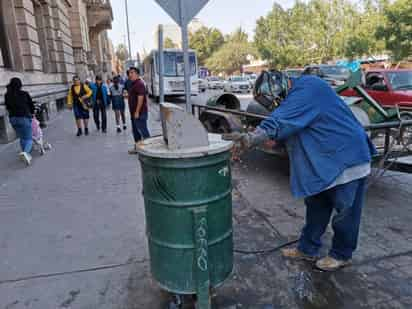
(245, 141)
(136, 115)
(241, 144)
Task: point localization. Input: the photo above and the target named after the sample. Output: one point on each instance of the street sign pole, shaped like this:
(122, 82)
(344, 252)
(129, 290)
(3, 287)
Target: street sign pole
(161, 66)
(188, 80)
(182, 12)
(185, 46)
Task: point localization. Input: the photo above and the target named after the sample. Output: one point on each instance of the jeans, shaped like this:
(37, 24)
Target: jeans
(22, 126)
(100, 108)
(347, 200)
(139, 127)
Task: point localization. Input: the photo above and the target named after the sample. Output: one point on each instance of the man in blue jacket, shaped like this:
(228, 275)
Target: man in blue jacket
(330, 156)
(101, 100)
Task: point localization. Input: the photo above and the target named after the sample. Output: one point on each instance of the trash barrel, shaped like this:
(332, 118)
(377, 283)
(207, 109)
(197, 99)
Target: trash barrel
(188, 209)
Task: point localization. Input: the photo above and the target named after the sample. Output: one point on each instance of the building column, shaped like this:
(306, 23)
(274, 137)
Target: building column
(64, 50)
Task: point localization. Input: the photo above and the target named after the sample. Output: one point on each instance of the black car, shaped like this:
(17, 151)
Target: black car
(333, 74)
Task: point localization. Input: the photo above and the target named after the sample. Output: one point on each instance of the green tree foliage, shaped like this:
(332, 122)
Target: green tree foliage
(206, 41)
(122, 53)
(168, 43)
(232, 55)
(397, 29)
(318, 31)
(362, 40)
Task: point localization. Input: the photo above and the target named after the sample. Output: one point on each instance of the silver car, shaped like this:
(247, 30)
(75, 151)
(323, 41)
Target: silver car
(237, 84)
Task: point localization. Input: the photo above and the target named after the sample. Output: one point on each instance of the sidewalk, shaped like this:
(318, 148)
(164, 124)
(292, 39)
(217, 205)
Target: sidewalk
(72, 234)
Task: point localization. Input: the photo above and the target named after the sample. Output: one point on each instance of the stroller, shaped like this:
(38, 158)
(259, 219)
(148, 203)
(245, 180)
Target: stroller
(37, 136)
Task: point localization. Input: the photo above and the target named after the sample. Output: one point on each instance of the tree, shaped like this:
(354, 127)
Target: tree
(206, 41)
(168, 43)
(122, 53)
(397, 29)
(362, 40)
(232, 55)
(283, 37)
(318, 31)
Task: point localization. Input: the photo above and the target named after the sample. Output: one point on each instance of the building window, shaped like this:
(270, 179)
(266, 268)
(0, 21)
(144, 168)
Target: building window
(7, 60)
(41, 32)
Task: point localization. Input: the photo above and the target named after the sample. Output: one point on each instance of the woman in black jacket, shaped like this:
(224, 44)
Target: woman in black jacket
(20, 106)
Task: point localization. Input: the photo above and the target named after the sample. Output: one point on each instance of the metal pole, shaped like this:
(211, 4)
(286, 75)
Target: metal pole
(161, 66)
(185, 45)
(128, 29)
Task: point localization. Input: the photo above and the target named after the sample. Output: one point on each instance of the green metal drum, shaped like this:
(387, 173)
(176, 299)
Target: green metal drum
(188, 206)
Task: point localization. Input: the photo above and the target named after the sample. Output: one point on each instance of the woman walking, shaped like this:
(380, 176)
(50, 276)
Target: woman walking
(20, 106)
(118, 105)
(78, 97)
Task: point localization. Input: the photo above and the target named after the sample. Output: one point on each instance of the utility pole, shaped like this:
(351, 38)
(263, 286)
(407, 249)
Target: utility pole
(128, 28)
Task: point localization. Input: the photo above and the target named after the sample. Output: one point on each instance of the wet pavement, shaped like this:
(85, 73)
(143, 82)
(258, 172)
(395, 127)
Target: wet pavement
(72, 234)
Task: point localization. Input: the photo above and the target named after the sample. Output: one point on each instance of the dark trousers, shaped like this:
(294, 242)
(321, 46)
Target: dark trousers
(139, 127)
(100, 108)
(347, 201)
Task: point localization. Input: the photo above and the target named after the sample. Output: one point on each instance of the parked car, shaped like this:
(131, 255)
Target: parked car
(334, 75)
(214, 82)
(237, 84)
(388, 87)
(295, 73)
(202, 85)
(252, 79)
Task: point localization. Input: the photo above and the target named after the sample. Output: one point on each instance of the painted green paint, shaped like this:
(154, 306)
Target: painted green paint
(181, 196)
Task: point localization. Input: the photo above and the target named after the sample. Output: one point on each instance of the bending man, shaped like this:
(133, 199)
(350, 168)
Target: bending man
(330, 157)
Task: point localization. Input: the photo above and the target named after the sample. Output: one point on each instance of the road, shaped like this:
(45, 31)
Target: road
(72, 233)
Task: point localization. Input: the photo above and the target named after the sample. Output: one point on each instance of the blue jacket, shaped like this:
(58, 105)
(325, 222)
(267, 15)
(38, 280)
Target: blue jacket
(321, 134)
(105, 91)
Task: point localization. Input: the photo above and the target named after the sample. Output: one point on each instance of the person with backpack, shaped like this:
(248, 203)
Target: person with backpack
(118, 105)
(78, 100)
(20, 107)
(101, 100)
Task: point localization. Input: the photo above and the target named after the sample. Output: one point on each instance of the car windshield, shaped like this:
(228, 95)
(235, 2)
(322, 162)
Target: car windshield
(401, 80)
(336, 70)
(238, 79)
(174, 63)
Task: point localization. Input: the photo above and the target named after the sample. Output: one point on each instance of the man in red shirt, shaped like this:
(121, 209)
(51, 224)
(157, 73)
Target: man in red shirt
(138, 107)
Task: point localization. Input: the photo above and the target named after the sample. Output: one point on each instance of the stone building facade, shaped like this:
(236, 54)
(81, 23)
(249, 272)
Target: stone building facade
(46, 42)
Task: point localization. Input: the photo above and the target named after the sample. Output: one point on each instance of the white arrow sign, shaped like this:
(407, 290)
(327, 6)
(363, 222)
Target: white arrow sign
(182, 11)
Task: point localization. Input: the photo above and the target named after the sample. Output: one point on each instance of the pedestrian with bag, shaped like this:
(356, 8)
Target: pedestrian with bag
(20, 107)
(79, 100)
(138, 107)
(118, 105)
(101, 101)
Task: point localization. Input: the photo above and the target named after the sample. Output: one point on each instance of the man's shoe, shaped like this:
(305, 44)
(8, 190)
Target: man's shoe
(104, 131)
(124, 127)
(86, 131)
(331, 264)
(119, 130)
(133, 151)
(296, 254)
